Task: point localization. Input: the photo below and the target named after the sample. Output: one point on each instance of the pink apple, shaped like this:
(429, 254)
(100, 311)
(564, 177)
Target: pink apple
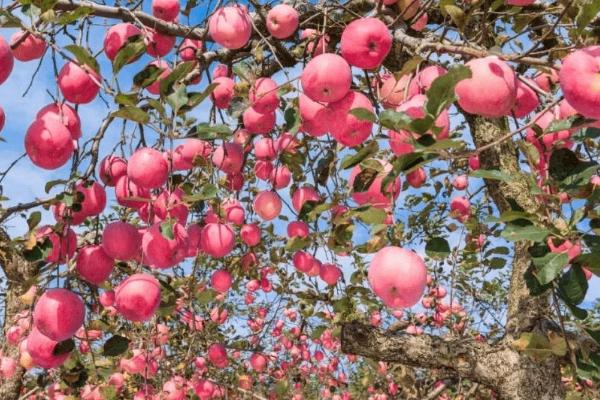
(304, 262)
(264, 149)
(137, 298)
(423, 80)
(460, 182)
(263, 95)
(223, 92)
(160, 251)
(158, 44)
(233, 211)
(230, 27)
(221, 281)
(217, 239)
(315, 116)
(267, 205)
(94, 198)
(398, 276)
(280, 177)
(190, 151)
(79, 85)
(415, 108)
(501, 88)
(460, 207)
(129, 194)
(41, 349)
(48, 143)
(7, 60)
(94, 265)
(526, 100)
(263, 169)
(250, 234)
(229, 157)
(545, 80)
(111, 169)
(317, 43)
(392, 91)
(217, 354)
(64, 114)
(30, 48)
(58, 314)
(117, 36)
(302, 195)
(258, 362)
(365, 43)
(121, 240)
(580, 82)
(167, 10)
(154, 88)
(282, 21)
(374, 195)
(330, 273)
(147, 168)
(346, 128)
(63, 244)
(326, 78)
(258, 123)
(401, 142)
(297, 229)
(416, 178)
(474, 163)
(189, 48)
(520, 3)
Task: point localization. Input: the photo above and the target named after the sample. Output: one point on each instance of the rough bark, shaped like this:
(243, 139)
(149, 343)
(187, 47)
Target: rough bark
(18, 273)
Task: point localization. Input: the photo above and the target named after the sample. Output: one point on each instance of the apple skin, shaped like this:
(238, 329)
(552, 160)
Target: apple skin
(580, 81)
(116, 37)
(416, 178)
(217, 354)
(78, 85)
(401, 142)
(154, 88)
(147, 168)
(48, 143)
(167, 10)
(391, 93)
(58, 314)
(64, 114)
(500, 82)
(111, 169)
(94, 265)
(330, 274)
(158, 44)
(221, 281)
(258, 123)
(398, 276)
(189, 48)
(258, 362)
(229, 157)
(373, 195)
(125, 190)
(326, 78)
(315, 47)
(316, 117)
(137, 298)
(217, 239)
(41, 350)
(223, 93)
(250, 234)
(230, 27)
(7, 60)
(267, 205)
(415, 108)
(282, 21)
(302, 195)
(186, 153)
(264, 149)
(423, 80)
(346, 128)
(297, 229)
(365, 43)
(63, 244)
(263, 95)
(526, 100)
(161, 252)
(31, 48)
(121, 240)
(460, 182)
(280, 177)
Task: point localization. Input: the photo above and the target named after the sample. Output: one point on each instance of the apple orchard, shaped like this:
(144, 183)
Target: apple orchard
(361, 199)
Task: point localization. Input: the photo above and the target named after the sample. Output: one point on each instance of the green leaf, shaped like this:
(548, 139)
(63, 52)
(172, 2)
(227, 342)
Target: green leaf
(39, 252)
(132, 50)
(83, 56)
(147, 76)
(50, 184)
(132, 113)
(64, 347)
(178, 98)
(115, 346)
(166, 229)
(208, 191)
(34, 219)
(441, 93)
(292, 120)
(364, 179)
(457, 14)
(395, 120)
(594, 334)
(587, 11)
(127, 99)
(437, 248)
(516, 233)
(206, 296)
(66, 18)
(573, 285)
(196, 98)
(206, 131)
(549, 266)
(366, 151)
(297, 243)
(563, 162)
(372, 215)
(492, 174)
(179, 73)
(363, 114)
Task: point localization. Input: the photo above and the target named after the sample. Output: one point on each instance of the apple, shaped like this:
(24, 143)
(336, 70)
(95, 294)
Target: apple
(520, 3)
(460, 208)
(423, 80)
(258, 123)
(365, 43)
(117, 36)
(263, 169)
(58, 314)
(223, 92)
(30, 48)
(580, 81)
(346, 128)
(41, 350)
(162, 252)
(326, 78)
(317, 43)
(315, 116)
(330, 274)
(79, 85)
(526, 100)
(264, 149)
(230, 26)
(500, 82)
(129, 194)
(111, 169)
(280, 177)
(94, 198)
(229, 157)
(250, 234)
(48, 143)
(401, 142)
(158, 44)
(65, 114)
(267, 205)
(263, 95)
(217, 239)
(221, 281)
(416, 178)
(297, 229)
(7, 60)
(233, 211)
(63, 244)
(147, 168)
(167, 10)
(398, 276)
(302, 195)
(121, 240)
(392, 92)
(282, 21)
(189, 48)
(162, 65)
(94, 265)
(137, 298)
(217, 354)
(258, 362)
(460, 182)
(374, 195)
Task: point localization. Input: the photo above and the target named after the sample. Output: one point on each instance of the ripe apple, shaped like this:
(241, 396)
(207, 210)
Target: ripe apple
(65, 114)
(229, 157)
(365, 43)
(30, 48)
(147, 168)
(94, 265)
(230, 27)
(48, 143)
(162, 252)
(326, 78)
(267, 205)
(7, 60)
(117, 36)
(167, 10)
(41, 350)
(580, 81)
(217, 239)
(79, 85)
(282, 21)
(58, 314)
(137, 298)
(121, 240)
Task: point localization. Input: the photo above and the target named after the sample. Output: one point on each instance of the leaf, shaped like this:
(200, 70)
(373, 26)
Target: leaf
(588, 10)
(127, 99)
(132, 113)
(195, 99)
(492, 174)
(562, 163)
(115, 346)
(457, 14)
(292, 120)
(64, 347)
(441, 93)
(50, 184)
(372, 215)
(533, 344)
(594, 334)
(130, 52)
(395, 120)
(83, 56)
(437, 248)
(147, 76)
(179, 73)
(205, 296)
(514, 233)
(297, 243)
(166, 229)
(549, 266)
(408, 67)
(208, 191)
(364, 179)
(573, 285)
(66, 18)
(366, 151)
(363, 114)
(178, 98)
(34, 219)
(558, 345)
(206, 131)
